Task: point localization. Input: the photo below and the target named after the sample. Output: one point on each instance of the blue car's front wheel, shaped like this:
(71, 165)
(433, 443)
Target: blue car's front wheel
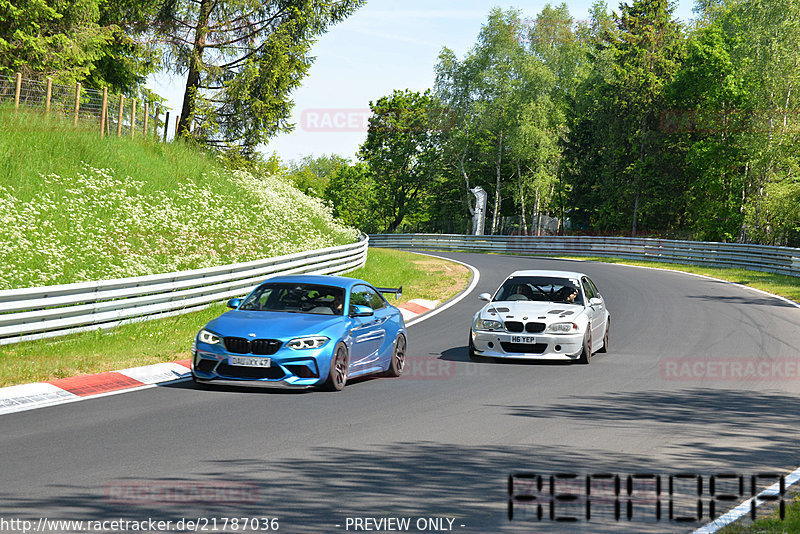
(398, 357)
(337, 374)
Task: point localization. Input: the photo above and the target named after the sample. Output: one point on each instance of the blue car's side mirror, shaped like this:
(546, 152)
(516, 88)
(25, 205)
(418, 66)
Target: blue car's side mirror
(361, 311)
(234, 303)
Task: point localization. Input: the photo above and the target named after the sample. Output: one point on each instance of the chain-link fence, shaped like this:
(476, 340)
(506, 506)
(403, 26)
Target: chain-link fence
(120, 115)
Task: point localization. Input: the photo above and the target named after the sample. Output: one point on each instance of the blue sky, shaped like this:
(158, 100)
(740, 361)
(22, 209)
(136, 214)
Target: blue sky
(385, 45)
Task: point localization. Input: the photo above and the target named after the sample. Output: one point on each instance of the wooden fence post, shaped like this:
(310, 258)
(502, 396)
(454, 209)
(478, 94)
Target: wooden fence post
(17, 91)
(166, 124)
(49, 95)
(104, 112)
(133, 117)
(146, 116)
(77, 102)
(155, 127)
(177, 122)
(119, 117)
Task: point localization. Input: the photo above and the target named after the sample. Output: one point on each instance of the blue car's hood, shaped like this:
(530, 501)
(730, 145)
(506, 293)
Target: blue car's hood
(274, 325)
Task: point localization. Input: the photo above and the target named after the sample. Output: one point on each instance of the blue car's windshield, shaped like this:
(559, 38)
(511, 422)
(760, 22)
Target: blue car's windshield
(296, 298)
(539, 288)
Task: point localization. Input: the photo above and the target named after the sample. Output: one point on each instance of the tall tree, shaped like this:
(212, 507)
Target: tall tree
(619, 165)
(242, 60)
(402, 151)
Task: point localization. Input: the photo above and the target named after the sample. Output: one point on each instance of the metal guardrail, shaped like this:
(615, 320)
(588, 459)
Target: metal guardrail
(50, 311)
(782, 260)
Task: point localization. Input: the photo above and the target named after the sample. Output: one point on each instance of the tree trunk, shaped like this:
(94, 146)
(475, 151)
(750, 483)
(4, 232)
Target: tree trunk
(522, 200)
(195, 67)
(496, 214)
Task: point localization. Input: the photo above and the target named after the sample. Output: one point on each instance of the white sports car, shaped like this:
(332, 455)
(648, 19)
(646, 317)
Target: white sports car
(547, 315)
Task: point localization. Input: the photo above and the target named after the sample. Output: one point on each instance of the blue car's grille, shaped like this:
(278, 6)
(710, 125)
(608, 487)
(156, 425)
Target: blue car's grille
(235, 371)
(240, 345)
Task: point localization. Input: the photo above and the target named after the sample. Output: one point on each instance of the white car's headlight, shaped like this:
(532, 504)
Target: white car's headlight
(488, 324)
(563, 328)
(310, 342)
(208, 337)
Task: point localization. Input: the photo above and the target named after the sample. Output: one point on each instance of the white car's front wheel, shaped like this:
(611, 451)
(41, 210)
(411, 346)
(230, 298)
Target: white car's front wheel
(586, 352)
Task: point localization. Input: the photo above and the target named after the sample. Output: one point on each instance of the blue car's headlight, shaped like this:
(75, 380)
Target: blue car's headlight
(208, 337)
(308, 342)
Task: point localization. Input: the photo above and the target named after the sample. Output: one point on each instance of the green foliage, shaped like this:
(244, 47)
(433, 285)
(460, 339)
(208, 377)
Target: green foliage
(619, 164)
(312, 175)
(243, 59)
(402, 152)
(94, 42)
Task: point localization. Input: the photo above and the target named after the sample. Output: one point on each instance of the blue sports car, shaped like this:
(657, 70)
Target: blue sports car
(301, 331)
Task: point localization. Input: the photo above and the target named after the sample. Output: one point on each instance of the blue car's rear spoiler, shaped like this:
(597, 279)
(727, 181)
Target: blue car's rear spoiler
(398, 292)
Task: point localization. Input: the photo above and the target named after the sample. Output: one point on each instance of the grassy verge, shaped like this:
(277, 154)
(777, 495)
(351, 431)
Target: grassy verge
(772, 524)
(169, 339)
(778, 284)
(421, 276)
(75, 207)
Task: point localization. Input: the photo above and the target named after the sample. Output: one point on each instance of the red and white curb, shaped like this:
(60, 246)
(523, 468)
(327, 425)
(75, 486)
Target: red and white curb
(416, 307)
(63, 390)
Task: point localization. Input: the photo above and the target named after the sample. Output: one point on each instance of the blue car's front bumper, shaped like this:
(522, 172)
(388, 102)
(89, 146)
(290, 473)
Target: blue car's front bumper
(288, 367)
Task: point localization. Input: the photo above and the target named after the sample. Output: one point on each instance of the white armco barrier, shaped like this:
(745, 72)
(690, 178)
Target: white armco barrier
(42, 312)
(783, 260)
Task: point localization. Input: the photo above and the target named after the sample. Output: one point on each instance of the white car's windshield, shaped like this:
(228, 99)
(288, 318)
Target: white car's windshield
(297, 298)
(540, 289)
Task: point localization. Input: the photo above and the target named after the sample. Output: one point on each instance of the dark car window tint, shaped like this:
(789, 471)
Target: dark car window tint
(296, 298)
(366, 296)
(587, 287)
(539, 289)
(594, 287)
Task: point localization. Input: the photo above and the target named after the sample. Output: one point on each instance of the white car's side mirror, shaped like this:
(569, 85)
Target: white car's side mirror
(596, 301)
(485, 296)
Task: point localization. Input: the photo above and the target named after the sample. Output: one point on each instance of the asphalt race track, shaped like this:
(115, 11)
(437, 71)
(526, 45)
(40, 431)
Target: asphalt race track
(441, 441)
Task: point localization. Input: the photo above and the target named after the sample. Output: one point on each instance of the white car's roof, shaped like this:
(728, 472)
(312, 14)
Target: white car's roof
(552, 274)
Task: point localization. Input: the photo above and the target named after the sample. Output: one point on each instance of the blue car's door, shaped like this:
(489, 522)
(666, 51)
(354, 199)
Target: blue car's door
(368, 333)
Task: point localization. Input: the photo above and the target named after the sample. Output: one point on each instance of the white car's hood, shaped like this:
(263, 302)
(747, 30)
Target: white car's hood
(524, 310)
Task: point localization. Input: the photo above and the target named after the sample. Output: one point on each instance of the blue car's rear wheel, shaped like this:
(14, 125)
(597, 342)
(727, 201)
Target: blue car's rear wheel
(337, 374)
(398, 362)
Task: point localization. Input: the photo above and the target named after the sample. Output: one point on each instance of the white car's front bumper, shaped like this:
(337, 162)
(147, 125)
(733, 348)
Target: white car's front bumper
(527, 346)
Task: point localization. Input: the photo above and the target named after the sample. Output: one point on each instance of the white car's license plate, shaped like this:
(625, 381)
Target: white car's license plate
(522, 339)
(247, 361)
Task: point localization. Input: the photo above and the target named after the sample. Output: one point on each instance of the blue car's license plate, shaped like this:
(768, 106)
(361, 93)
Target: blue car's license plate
(247, 361)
